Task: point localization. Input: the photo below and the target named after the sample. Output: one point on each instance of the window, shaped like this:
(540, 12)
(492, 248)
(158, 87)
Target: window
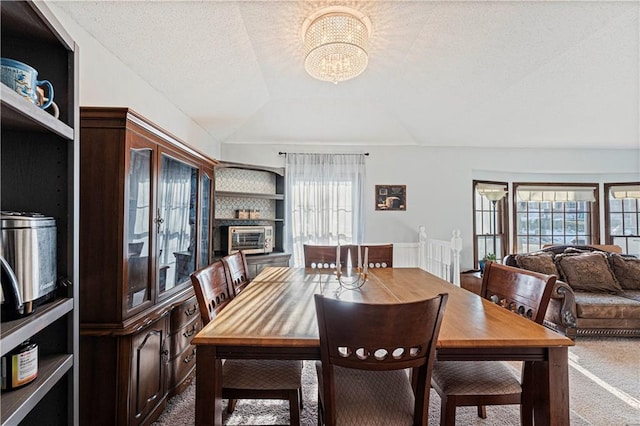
(555, 214)
(324, 201)
(490, 213)
(622, 213)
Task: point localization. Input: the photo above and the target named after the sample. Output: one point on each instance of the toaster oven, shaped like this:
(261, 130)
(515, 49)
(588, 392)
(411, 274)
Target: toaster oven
(249, 239)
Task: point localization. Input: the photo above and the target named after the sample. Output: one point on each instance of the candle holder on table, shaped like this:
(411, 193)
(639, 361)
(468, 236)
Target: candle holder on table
(357, 281)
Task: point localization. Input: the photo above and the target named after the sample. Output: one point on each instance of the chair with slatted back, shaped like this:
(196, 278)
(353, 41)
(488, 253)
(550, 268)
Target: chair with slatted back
(212, 290)
(481, 383)
(241, 378)
(237, 271)
(364, 357)
(324, 257)
(380, 255)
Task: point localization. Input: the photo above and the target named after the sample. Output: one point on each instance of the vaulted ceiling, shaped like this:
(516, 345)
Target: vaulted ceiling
(561, 74)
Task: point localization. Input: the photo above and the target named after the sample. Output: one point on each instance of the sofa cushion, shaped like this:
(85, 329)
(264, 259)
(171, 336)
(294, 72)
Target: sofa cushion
(540, 261)
(627, 271)
(602, 305)
(587, 272)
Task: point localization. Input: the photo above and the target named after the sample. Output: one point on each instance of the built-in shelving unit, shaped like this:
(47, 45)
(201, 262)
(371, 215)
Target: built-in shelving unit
(245, 186)
(251, 187)
(39, 173)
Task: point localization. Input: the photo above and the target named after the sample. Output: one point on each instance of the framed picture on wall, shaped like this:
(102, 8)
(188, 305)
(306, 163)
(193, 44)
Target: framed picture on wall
(391, 197)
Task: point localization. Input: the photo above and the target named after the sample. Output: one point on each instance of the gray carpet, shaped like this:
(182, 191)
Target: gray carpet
(604, 381)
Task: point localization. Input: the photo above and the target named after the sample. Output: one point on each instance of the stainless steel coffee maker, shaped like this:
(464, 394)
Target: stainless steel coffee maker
(28, 261)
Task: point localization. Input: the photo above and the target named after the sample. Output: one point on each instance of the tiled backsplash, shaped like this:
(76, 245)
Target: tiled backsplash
(226, 206)
(243, 180)
(249, 181)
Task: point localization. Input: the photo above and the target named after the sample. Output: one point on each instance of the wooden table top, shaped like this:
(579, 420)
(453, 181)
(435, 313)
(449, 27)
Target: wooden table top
(277, 309)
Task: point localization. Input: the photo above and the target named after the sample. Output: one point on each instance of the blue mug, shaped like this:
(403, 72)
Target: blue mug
(24, 80)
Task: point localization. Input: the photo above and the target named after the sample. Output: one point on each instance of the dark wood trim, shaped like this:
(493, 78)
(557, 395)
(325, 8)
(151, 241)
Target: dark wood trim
(502, 207)
(607, 209)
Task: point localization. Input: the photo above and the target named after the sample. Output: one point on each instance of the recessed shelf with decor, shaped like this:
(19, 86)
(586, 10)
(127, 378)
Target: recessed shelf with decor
(246, 187)
(250, 195)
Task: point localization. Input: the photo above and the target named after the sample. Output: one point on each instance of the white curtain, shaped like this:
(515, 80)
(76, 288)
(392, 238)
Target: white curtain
(177, 202)
(555, 193)
(324, 201)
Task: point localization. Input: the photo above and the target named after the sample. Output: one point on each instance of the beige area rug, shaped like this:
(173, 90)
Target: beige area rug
(604, 381)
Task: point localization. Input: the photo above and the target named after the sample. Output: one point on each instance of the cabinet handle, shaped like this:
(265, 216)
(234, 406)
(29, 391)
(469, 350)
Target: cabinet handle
(190, 332)
(158, 221)
(191, 311)
(190, 357)
(164, 354)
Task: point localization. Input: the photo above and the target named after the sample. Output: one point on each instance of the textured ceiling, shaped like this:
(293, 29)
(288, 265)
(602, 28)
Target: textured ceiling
(450, 73)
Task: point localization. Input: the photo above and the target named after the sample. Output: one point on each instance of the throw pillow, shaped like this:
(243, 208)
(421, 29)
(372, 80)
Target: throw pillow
(541, 262)
(627, 271)
(588, 272)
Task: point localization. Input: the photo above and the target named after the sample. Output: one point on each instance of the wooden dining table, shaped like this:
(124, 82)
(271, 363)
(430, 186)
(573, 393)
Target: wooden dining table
(274, 318)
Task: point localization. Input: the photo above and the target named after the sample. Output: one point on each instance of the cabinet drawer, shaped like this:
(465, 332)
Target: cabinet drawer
(181, 366)
(185, 313)
(181, 338)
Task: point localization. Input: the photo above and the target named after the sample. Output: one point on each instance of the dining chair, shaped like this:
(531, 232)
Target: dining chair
(213, 293)
(324, 257)
(245, 378)
(380, 255)
(365, 351)
(237, 271)
(481, 383)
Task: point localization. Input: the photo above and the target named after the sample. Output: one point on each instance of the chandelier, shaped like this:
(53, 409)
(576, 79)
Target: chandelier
(336, 41)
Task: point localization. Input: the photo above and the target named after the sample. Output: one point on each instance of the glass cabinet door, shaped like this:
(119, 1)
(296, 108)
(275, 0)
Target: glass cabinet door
(205, 221)
(176, 222)
(137, 232)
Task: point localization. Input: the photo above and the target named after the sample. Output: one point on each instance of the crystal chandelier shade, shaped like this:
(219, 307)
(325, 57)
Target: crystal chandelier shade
(336, 42)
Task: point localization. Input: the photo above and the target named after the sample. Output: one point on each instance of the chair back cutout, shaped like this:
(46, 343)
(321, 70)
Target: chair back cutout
(212, 290)
(324, 257)
(237, 271)
(523, 292)
(380, 255)
(378, 336)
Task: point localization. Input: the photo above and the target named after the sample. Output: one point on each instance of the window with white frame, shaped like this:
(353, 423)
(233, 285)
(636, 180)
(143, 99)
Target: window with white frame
(623, 216)
(555, 214)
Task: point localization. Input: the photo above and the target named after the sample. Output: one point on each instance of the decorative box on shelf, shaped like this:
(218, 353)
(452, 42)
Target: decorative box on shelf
(242, 214)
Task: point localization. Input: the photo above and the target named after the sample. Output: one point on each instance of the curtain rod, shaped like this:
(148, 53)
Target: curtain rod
(284, 153)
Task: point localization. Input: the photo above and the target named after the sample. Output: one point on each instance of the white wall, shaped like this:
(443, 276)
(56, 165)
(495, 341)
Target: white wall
(439, 181)
(106, 81)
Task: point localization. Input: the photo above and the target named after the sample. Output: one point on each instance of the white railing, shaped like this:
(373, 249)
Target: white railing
(440, 257)
(406, 255)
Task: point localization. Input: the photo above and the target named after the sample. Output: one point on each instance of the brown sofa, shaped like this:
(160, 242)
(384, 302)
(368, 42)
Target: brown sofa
(598, 291)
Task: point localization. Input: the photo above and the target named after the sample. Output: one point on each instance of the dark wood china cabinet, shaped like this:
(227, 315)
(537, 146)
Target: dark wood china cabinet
(145, 225)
